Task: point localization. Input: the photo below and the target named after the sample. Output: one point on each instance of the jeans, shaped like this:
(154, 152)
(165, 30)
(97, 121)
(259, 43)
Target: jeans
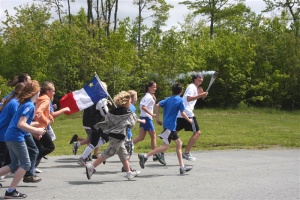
(33, 154)
(19, 156)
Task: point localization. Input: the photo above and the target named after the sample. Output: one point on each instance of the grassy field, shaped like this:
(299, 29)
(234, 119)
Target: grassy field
(221, 130)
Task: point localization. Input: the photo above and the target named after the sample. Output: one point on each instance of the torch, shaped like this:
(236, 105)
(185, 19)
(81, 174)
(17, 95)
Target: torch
(213, 78)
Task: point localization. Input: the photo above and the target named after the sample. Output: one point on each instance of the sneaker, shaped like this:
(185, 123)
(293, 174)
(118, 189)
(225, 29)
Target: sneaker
(123, 170)
(89, 158)
(188, 156)
(31, 179)
(75, 148)
(130, 175)
(14, 195)
(74, 139)
(185, 168)
(2, 177)
(161, 158)
(38, 170)
(142, 160)
(45, 157)
(155, 157)
(81, 161)
(90, 170)
(94, 157)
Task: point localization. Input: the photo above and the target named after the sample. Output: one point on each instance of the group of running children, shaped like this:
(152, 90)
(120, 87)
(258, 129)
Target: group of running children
(26, 135)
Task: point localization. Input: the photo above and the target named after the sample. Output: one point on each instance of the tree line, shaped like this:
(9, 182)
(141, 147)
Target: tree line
(256, 57)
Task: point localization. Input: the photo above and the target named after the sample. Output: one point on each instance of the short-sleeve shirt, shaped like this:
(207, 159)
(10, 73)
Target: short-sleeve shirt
(148, 102)
(15, 134)
(172, 105)
(191, 90)
(6, 115)
(129, 132)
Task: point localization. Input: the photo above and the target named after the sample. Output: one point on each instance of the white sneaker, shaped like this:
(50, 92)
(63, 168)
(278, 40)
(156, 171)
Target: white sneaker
(90, 170)
(38, 170)
(2, 177)
(188, 156)
(130, 175)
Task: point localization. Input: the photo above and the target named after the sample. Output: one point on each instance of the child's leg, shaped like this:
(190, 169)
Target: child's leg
(157, 150)
(179, 151)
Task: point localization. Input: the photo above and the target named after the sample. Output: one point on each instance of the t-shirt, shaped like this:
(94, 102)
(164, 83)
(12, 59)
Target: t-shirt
(191, 90)
(129, 132)
(148, 102)
(15, 134)
(6, 115)
(172, 105)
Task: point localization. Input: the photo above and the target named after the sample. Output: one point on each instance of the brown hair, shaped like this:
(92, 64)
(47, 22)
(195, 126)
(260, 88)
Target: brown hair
(18, 89)
(18, 79)
(30, 89)
(47, 85)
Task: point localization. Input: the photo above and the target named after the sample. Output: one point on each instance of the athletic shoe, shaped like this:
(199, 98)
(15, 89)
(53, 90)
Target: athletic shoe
(188, 156)
(185, 168)
(75, 148)
(123, 170)
(2, 177)
(90, 170)
(38, 170)
(155, 157)
(161, 158)
(74, 139)
(81, 161)
(14, 195)
(142, 160)
(94, 157)
(45, 157)
(130, 175)
(31, 179)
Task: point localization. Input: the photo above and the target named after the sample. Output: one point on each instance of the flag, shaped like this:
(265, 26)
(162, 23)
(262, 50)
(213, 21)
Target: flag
(83, 98)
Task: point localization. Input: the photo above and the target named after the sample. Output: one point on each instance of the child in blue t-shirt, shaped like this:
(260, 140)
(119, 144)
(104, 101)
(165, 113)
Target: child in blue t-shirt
(172, 105)
(20, 127)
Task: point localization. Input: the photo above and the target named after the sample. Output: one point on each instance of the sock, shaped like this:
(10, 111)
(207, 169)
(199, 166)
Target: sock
(100, 142)
(145, 155)
(11, 189)
(87, 151)
(78, 144)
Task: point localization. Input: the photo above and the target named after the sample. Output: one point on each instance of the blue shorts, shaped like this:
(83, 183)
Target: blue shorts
(148, 126)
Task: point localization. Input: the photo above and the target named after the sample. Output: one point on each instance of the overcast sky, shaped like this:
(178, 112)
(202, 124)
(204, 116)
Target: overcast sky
(126, 8)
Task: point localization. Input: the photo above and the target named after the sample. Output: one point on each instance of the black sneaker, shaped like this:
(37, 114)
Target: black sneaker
(74, 139)
(94, 157)
(123, 169)
(155, 157)
(142, 160)
(161, 158)
(14, 195)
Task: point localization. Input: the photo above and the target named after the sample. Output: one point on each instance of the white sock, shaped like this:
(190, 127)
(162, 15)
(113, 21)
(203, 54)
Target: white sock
(87, 151)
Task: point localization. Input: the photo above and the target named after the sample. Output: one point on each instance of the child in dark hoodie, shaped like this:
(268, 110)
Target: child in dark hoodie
(115, 125)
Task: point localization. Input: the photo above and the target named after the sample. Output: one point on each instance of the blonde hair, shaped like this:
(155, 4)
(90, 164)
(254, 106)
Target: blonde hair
(132, 93)
(122, 98)
(31, 88)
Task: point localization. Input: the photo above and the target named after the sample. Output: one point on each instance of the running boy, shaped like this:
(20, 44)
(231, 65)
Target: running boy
(172, 105)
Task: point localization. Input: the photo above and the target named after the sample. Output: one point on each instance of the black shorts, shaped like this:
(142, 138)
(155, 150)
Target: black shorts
(187, 126)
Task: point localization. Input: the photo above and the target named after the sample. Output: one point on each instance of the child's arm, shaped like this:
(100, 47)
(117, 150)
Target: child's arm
(26, 127)
(60, 112)
(157, 114)
(183, 114)
(142, 121)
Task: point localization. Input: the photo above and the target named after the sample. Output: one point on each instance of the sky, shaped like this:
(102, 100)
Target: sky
(126, 8)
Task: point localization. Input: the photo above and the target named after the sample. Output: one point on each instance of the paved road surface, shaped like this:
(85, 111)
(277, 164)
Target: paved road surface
(234, 174)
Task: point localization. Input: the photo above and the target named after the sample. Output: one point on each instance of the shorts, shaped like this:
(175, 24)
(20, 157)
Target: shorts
(115, 146)
(148, 126)
(187, 126)
(168, 135)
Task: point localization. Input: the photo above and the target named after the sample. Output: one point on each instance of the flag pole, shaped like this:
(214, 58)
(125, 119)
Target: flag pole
(98, 78)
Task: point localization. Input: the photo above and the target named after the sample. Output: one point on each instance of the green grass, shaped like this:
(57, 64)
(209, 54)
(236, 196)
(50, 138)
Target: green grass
(243, 128)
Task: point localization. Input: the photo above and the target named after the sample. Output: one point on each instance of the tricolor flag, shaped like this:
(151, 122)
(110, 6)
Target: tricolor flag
(85, 97)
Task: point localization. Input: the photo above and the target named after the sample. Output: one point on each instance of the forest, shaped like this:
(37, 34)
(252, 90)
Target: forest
(257, 57)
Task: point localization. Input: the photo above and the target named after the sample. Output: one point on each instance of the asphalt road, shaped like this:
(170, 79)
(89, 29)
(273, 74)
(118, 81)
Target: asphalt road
(234, 174)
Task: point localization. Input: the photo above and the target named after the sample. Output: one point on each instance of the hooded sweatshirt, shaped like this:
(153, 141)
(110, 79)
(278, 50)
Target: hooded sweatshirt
(117, 121)
(42, 111)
